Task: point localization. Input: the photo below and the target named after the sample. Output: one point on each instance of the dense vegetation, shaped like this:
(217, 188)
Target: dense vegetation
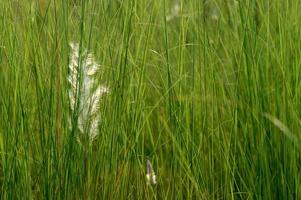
(208, 91)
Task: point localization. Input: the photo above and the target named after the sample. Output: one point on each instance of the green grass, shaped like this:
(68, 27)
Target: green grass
(214, 104)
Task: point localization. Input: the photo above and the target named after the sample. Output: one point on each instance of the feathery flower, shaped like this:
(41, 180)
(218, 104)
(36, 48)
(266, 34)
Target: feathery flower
(150, 174)
(215, 14)
(84, 93)
(175, 11)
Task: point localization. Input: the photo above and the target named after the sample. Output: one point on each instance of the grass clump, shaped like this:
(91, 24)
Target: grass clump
(204, 98)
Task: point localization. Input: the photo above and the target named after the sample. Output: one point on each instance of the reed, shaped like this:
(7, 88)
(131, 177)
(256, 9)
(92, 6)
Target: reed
(150, 99)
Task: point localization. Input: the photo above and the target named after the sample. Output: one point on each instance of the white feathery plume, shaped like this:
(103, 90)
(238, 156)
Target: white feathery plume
(150, 174)
(175, 11)
(84, 91)
(215, 14)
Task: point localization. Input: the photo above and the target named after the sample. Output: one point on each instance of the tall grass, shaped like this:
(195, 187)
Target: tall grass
(208, 92)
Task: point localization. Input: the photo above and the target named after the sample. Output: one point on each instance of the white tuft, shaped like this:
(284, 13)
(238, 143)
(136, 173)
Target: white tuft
(215, 14)
(85, 93)
(175, 11)
(150, 174)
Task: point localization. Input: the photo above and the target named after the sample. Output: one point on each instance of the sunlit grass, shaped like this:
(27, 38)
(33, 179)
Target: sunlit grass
(207, 93)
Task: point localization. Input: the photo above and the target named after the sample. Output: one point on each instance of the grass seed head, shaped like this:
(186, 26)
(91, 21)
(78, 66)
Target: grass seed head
(150, 174)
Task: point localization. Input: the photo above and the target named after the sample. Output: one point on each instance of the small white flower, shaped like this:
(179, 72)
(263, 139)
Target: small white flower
(150, 174)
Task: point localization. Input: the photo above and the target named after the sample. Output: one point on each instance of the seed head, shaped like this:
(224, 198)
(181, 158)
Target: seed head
(150, 174)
